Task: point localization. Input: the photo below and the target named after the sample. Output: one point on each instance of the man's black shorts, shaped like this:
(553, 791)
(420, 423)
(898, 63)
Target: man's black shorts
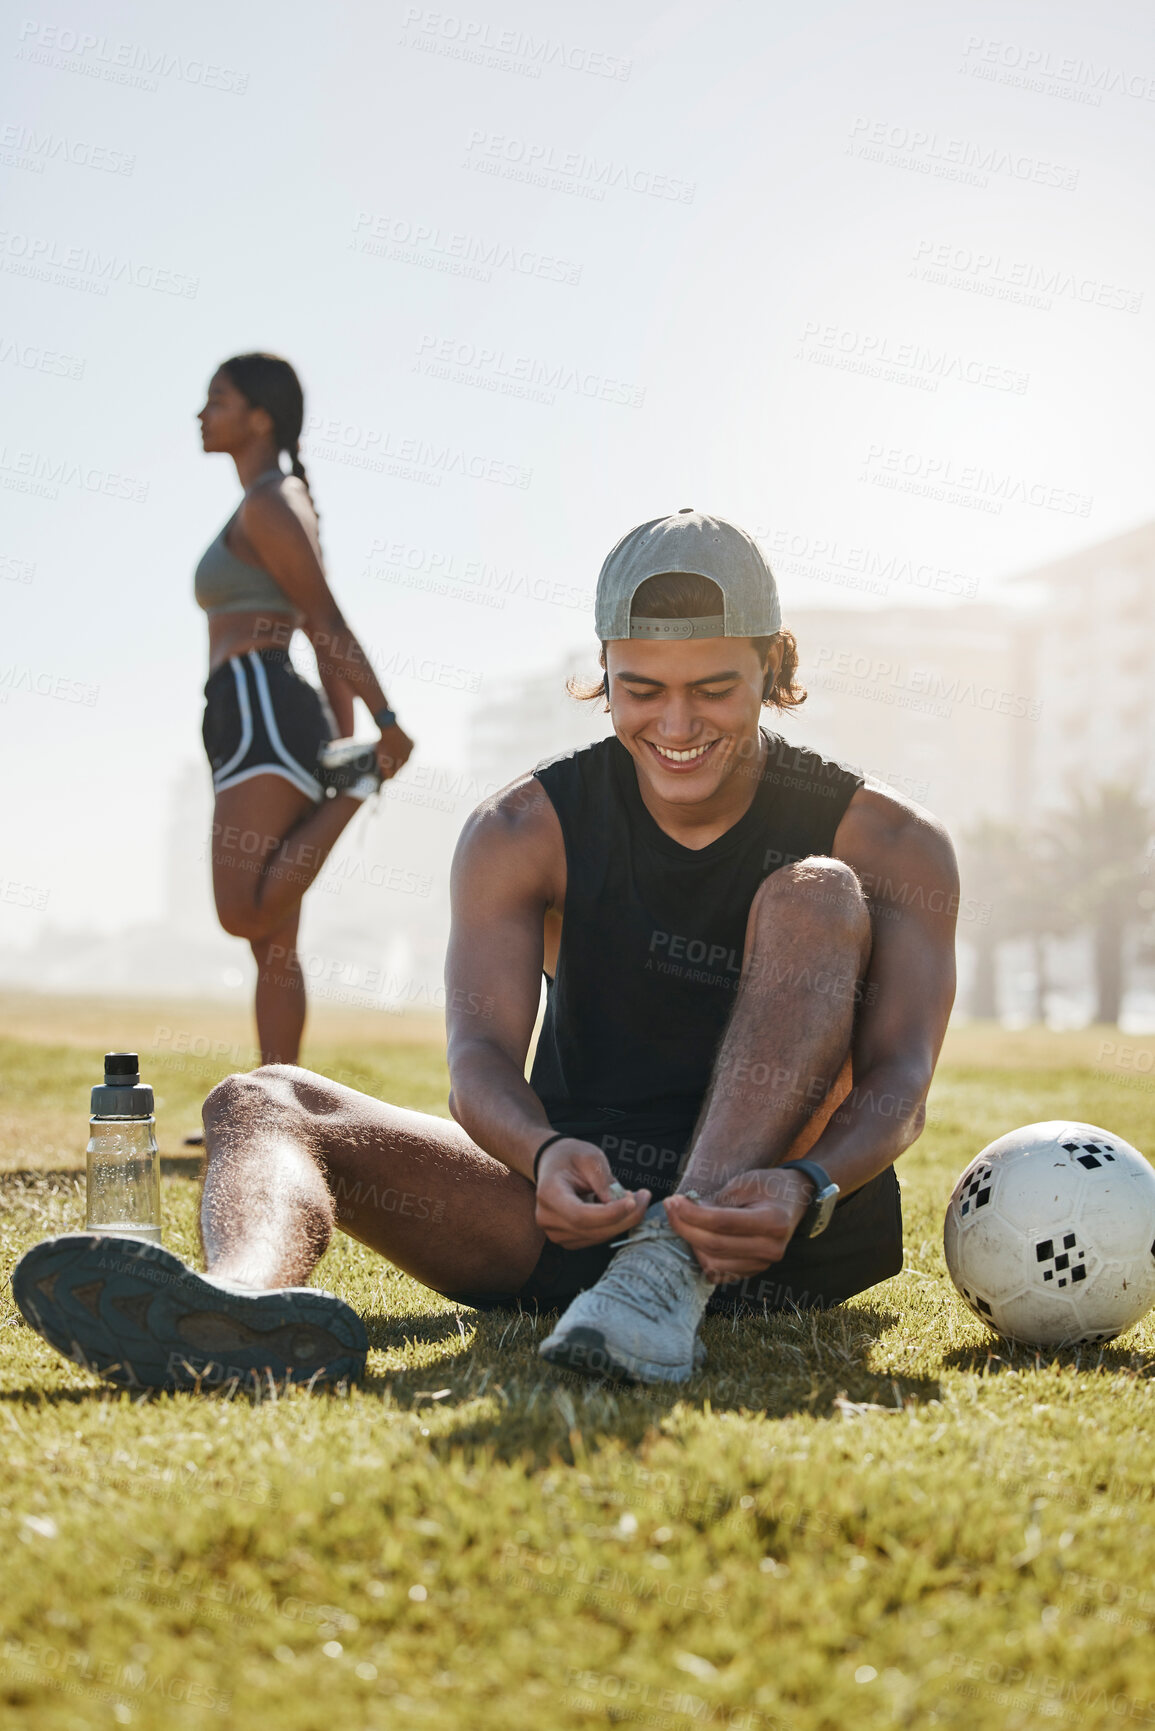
(861, 1246)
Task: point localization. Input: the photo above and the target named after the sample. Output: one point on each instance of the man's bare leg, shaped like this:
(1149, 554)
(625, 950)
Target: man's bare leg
(782, 1062)
(291, 1155)
(783, 1065)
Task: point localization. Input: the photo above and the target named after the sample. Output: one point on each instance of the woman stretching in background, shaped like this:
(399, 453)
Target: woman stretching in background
(264, 726)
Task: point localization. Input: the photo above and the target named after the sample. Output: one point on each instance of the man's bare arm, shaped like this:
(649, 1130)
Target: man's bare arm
(906, 866)
(508, 872)
(504, 879)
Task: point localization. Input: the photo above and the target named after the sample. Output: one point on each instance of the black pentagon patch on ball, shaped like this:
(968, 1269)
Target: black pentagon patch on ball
(1064, 1266)
(978, 1191)
(1090, 1152)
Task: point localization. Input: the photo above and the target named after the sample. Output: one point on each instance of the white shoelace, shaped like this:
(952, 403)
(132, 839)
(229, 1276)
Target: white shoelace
(664, 1285)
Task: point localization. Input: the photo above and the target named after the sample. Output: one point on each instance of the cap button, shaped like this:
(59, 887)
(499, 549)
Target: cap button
(685, 510)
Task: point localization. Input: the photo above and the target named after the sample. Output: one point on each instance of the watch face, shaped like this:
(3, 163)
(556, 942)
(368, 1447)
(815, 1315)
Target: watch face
(821, 1205)
(821, 1209)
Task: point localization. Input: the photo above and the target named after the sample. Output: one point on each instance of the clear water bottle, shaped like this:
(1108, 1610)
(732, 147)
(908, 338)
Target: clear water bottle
(123, 1161)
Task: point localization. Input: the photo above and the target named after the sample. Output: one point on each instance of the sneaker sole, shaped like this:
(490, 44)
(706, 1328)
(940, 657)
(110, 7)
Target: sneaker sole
(584, 1349)
(133, 1313)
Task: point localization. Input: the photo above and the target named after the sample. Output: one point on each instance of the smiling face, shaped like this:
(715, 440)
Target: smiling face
(687, 712)
(229, 422)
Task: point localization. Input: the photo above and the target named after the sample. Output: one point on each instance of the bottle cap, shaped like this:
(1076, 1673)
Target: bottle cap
(122, 1095)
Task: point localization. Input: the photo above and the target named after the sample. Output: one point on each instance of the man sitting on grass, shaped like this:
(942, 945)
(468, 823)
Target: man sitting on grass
(750, 964)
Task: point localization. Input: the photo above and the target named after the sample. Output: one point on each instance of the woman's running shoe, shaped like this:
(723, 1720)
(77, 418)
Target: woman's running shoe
(134, 1313)
(349, 766)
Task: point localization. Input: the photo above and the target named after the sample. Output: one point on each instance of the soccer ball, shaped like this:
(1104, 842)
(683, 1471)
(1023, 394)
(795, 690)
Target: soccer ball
(1050, 1234)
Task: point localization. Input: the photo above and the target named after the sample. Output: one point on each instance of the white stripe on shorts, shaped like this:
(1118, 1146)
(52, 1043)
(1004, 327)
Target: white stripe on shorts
(246, 725)
(307, 783)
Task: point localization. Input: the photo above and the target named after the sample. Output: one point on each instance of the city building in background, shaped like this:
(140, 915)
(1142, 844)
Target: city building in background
(533, 719)
(1091, 643)
(937, 703)
(988, 713)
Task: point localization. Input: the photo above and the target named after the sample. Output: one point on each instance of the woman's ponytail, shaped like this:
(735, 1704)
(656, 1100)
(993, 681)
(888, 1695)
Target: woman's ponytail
(298, 469)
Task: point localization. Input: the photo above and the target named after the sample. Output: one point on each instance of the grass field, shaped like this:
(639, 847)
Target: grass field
(877, 1517)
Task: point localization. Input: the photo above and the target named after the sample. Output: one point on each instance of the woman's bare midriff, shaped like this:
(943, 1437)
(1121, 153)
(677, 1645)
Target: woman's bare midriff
(235, 633)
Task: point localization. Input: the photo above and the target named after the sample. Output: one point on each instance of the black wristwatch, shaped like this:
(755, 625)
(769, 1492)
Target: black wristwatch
(826, 1193)
(385, 718)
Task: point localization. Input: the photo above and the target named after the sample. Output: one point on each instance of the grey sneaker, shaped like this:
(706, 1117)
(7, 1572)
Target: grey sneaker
(640, 1320)
(349, 766)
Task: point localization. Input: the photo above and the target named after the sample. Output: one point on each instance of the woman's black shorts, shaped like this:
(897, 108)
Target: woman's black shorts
(262, 718)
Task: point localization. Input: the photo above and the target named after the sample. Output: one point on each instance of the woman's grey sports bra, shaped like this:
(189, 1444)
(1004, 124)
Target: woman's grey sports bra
(226, 584)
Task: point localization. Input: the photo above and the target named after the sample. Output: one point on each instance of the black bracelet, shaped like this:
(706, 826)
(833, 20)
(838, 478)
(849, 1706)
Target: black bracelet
(385, 718)
(559, 1136)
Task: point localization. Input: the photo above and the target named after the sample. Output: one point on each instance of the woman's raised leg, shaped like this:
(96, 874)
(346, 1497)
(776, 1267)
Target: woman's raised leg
(269, 842)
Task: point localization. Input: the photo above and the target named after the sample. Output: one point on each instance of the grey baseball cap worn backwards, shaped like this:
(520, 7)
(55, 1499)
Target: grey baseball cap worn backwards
(688, 541)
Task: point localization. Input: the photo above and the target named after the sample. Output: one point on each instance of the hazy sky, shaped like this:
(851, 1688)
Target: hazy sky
(546, 271)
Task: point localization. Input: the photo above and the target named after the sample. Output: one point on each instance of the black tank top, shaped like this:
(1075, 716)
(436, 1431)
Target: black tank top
(651, 946)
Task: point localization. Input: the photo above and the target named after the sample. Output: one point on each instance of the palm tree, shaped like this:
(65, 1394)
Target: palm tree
(1043, 912)
(1099, 848)
(1007, 872)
